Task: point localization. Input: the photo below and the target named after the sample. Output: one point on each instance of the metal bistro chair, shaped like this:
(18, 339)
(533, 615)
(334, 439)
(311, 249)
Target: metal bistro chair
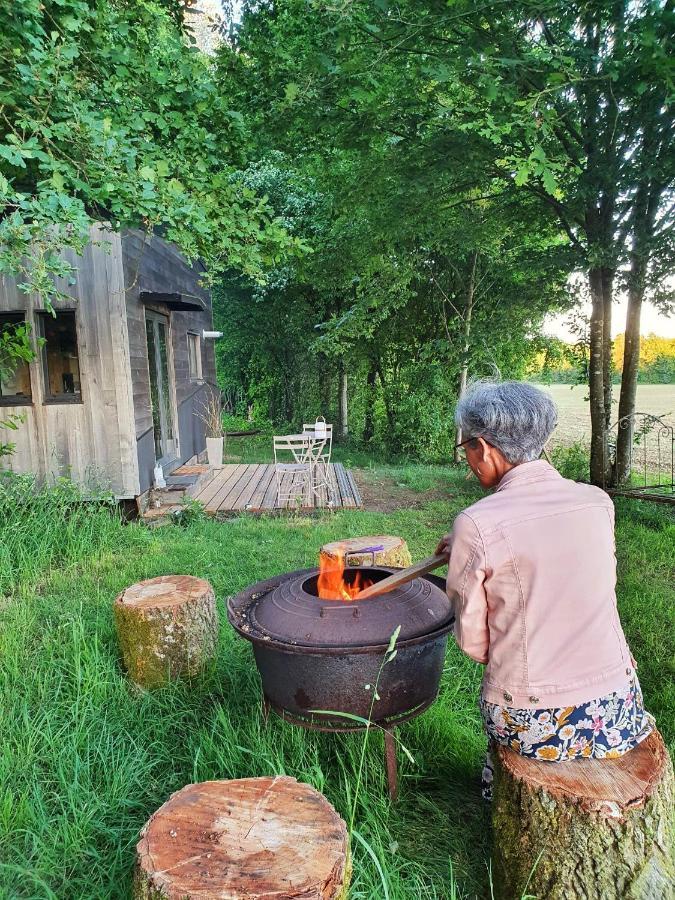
(323, 462)
(305, 451)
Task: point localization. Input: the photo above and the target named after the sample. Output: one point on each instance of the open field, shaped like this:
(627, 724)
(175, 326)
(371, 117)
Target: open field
(85, 759)
(574, 422)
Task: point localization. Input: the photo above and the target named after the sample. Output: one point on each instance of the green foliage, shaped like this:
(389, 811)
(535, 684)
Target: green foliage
(109, 113)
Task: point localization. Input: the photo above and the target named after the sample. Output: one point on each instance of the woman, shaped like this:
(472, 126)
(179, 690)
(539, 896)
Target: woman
(532, 574)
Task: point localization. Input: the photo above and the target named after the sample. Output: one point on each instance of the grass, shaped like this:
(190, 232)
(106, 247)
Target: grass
(85, 759)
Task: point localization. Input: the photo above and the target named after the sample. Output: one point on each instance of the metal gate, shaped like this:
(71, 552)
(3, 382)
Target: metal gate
(652, 457)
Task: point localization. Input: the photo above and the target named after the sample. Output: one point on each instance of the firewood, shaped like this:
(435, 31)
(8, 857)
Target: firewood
(167, 627)
(253, 838)
(372, 550)
(592, 829)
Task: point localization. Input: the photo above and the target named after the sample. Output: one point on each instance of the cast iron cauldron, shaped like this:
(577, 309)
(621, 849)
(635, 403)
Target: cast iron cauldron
(315, 654)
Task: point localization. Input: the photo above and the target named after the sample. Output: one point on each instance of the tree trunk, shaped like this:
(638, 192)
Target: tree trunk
(644, 216)
(629, 376)
(607, 298)
(342, 405)
(385, 395)
(372, 550)
(324, 387)
(591, 829)
(244, 839)
(596, 381)
(369, 423)
(167, 627)
(466, 342)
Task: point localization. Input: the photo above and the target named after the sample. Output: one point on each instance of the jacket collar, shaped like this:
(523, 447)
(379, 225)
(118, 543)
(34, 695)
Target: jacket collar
(537, 470)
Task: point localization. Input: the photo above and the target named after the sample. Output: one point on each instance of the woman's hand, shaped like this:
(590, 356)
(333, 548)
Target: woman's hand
(444, 546)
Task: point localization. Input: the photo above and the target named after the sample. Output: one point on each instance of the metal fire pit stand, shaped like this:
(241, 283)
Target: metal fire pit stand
(386, 726)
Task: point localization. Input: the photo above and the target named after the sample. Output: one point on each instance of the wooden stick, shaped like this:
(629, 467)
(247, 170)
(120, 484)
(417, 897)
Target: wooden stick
(402, 577)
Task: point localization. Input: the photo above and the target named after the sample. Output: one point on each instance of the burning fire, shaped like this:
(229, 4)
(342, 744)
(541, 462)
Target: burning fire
(332, 585)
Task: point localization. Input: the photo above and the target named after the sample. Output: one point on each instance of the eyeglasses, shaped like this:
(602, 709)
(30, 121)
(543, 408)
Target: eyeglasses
(463, 443)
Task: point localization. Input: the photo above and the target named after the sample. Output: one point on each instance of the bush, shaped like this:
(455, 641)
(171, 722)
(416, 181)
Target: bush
(572, 462)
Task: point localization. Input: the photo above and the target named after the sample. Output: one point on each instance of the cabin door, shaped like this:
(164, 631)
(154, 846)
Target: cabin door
(157, 332)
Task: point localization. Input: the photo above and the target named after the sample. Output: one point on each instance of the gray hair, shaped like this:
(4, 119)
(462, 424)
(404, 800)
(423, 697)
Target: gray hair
(515, 417)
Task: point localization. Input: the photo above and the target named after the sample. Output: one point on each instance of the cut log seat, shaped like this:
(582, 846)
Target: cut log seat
(167, 627)
(253, 838)
(392, 551)
(592, 829)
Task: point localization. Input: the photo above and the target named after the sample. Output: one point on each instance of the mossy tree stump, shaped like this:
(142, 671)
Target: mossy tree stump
(372, 550)
(167, 627)
(592, 829)
(253, 838)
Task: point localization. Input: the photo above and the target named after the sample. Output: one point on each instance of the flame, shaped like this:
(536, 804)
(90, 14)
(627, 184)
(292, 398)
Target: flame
(331, 583)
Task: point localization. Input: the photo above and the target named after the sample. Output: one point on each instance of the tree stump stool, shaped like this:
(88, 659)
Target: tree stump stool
(584, 828)
(254, 838)
(167, 627)
(372, 550)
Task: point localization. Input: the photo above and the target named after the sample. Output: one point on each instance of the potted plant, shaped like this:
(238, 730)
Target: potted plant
(210, 413)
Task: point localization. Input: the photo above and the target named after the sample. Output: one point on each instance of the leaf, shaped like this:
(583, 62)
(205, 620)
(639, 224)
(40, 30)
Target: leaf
(393, 639)
(549, 181)
(147, 173)
(522, 175)
(292, 91)
(369, 850)
(12, 156)
(57, 181)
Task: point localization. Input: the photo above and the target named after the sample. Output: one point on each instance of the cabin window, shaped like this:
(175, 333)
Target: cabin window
(60, 357)
(14, 372)
(194, 357)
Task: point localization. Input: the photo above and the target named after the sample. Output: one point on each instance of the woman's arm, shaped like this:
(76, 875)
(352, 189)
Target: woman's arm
(466, 588)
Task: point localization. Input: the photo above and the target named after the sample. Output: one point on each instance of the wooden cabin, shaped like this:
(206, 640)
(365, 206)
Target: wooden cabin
(120, 372)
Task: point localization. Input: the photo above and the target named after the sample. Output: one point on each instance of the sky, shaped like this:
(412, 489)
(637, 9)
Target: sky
(652, 322)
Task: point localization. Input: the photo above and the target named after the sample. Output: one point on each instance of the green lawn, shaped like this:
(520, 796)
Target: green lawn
(85, 759)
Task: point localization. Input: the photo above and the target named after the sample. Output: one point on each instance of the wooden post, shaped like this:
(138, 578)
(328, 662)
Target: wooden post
(167, 627)
(249, 838)
(591, 829)
(387, 550)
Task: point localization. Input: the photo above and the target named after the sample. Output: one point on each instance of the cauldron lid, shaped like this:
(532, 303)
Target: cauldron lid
(294, 614)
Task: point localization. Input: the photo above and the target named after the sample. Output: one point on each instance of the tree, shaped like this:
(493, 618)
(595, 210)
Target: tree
(107, 112)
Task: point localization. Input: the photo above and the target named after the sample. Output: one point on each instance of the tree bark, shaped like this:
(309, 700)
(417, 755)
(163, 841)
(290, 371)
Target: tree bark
(342, 405)
(167, 627)
(644, 216)
(466, 342)
(369, 422)
(607, 277)
(591, 829)
(596, 380)
(244, 839)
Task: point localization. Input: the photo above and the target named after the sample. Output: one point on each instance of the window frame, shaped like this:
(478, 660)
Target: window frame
(20, 317)
(50, 399)
(198, 378)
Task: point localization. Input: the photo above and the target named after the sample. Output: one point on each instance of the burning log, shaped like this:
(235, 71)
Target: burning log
(250, 838)
(167, 627)
(597, 829)
(354, 553)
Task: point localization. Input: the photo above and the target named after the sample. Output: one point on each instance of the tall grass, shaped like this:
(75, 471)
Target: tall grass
(44, 527)
(85, 759)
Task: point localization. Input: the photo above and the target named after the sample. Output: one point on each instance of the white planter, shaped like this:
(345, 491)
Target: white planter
(214, 451)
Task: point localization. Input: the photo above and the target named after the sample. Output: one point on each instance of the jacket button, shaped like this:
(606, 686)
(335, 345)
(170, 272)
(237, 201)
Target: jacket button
(534, 699)
(507, 696)
(628, 671)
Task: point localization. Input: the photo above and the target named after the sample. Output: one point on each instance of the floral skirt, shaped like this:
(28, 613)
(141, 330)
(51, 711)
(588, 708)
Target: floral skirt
(599, 729)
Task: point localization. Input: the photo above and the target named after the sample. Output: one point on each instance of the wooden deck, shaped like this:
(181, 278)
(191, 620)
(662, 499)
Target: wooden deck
(253, 488)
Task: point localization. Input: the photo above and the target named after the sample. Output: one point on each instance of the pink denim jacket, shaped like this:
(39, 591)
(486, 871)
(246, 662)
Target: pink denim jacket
(532, 574)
